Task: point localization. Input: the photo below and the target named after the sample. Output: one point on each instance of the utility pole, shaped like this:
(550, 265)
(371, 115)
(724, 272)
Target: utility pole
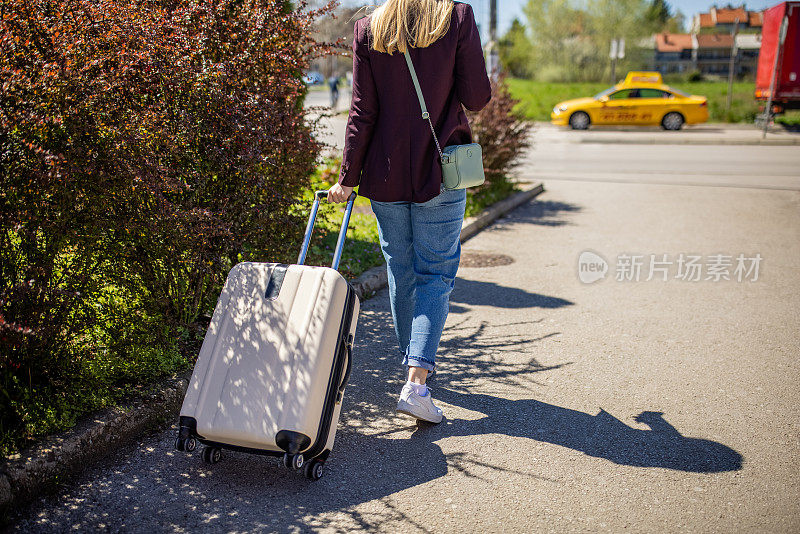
(731, 68)
(493, 63)
(493, 20)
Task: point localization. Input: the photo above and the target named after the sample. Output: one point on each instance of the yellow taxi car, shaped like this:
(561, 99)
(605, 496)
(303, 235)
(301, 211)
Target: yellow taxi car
(642, 99)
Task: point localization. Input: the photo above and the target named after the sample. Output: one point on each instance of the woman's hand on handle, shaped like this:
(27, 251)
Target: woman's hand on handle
(339, 193)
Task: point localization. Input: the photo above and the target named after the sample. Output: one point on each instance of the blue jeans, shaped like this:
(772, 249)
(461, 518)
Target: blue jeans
(422, 247)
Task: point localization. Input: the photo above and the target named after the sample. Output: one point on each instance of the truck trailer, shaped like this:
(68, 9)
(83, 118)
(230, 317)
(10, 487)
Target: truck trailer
(778, 75)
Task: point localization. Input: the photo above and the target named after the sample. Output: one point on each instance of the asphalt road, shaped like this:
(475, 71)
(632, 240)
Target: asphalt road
(644, 406)
(649, 155)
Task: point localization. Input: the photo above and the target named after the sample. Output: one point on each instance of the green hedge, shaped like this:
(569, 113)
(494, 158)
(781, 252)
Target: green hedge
(145, 147)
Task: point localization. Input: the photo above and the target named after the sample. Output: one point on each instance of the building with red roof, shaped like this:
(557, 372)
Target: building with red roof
(707, 53)
(723, 19)
(709, 45)
(674, 52)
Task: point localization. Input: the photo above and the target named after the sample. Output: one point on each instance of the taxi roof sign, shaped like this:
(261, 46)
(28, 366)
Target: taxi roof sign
(643, 77)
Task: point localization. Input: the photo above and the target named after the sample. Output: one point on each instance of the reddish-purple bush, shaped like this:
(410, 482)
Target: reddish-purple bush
(145, 147)
(502, 134)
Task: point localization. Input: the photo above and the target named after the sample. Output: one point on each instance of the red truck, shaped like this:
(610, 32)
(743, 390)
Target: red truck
(779, 59)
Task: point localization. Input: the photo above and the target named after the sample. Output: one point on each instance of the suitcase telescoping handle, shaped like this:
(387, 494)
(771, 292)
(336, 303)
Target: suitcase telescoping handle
(337, 255)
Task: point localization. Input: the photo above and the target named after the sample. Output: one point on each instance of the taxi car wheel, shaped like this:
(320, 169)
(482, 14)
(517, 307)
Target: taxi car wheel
(672, 121)
(579, 120)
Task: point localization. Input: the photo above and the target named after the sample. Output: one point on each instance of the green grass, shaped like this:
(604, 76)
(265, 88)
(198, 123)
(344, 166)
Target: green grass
(790, 119)
(361, 249)
(481, 199)
(121, 357)
(538, 98)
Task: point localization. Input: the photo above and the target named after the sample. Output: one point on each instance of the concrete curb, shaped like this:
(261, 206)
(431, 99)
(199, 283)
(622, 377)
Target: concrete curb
(686, 141)
(741, 126)
(27, 475)
(370, 281)
(473, 225)
(376, 278)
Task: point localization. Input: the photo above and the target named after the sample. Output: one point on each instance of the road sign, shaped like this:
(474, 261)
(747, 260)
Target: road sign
(617, 49)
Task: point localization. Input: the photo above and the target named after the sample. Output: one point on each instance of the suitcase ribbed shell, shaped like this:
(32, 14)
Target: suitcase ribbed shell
(266, 363)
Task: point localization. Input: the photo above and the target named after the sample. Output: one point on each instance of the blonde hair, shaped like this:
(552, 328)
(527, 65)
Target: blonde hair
(399, 24)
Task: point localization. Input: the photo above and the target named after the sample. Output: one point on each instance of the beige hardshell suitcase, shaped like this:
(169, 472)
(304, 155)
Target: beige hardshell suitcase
(275, 360)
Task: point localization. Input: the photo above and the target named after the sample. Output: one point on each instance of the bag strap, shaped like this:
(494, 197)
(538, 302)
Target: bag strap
(425, 114)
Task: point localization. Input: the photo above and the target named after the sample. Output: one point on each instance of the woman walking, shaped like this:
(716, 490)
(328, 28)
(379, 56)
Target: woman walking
(390, 154)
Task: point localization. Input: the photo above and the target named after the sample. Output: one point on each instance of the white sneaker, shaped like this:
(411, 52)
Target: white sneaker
(413, 404)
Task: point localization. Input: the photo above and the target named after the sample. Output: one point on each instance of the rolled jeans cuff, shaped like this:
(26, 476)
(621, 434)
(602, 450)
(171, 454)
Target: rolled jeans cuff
(419, 362)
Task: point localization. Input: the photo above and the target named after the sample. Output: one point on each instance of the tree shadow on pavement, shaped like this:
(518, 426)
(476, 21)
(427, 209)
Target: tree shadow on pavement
(539, 212)
(477, 293)
(491, 352)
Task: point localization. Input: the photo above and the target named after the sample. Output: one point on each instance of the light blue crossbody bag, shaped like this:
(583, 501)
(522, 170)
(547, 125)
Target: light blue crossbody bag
(462, 165)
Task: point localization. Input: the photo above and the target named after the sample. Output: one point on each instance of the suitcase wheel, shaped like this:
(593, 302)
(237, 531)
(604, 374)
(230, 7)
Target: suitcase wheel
(211, 455)
(187, 445)
(313, 469)
(292, 461)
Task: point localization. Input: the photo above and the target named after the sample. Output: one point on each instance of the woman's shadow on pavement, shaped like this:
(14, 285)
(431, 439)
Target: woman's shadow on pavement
(600, 436)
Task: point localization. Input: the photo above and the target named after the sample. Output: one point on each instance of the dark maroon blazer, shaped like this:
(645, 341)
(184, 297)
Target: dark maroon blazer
(389, 149)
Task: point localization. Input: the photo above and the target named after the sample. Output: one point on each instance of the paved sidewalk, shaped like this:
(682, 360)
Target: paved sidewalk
(639, 406)
(550, 158)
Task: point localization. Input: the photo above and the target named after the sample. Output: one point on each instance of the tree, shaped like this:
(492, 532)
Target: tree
(609, 19)
(560, 46)
(677, 23)
(337, 30)
(660, 17)
(658, 14)
(516, 50)
(570, 39)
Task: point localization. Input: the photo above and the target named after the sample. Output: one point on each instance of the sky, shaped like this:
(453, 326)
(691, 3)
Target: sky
(508, 9)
